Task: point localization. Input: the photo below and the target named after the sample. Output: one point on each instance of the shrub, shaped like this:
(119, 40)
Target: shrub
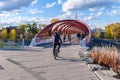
(107, 56)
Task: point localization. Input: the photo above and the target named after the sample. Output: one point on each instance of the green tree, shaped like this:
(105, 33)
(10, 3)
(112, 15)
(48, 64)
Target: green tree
(32, 28)
(41, 26)
(34, 24)
(13, 34)
(4, 34)
(29, 29)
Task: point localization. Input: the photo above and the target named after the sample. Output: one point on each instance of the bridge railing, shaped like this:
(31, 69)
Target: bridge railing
(13, 43)
(103, 43)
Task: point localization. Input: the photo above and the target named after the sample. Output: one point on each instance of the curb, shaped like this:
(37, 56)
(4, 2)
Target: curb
(95, 72)
(102, 75)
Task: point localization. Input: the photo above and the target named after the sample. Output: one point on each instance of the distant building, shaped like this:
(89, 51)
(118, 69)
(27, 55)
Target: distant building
(15, 27)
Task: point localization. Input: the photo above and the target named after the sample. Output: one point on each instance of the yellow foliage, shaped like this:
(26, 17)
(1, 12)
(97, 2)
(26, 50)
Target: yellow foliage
(21, 36)
(21, 26)
(4, 34)
(108, 32)
(13, 34)
(26, 35)
(97, 34)
(113, 30)
(54, 20)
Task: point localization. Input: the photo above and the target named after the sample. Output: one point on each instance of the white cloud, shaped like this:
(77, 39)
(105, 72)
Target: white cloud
(2, 4)
(48, 5)
(114, 12)
(96, 9)
(35, 11)
(23, 20)
(92, 9)
(34, 2)
(88, 18)
(71, 5)
(116, 7)
(6, 14)
(59, 1)
(71, 15)
(10, 5)
(99, 13)
(103, 8)
(67, 15)
(96, 25)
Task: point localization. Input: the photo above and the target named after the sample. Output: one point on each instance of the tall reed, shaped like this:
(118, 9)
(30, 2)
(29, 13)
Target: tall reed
(107, 56)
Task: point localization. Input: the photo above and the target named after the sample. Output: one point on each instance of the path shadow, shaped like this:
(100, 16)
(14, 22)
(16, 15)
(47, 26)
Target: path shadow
(69, 60)
(45, 45)
(117, 76)
(50, 44)
(21, 49)
(65, 44)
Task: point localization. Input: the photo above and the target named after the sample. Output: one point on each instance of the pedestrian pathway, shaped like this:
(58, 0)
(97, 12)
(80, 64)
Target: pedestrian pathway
(37, 63)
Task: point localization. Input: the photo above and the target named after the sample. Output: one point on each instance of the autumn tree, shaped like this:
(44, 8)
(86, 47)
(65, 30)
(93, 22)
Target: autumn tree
(118, 33)
(43, 25)
(21, 36)
(54, 20)
(26, 35)
(13, 34)
(108, 32)
(97, 33)
(4, 34)
(113, 30)
(22, 27)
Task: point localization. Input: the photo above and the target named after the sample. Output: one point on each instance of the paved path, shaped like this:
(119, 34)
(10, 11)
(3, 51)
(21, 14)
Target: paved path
(38, 64)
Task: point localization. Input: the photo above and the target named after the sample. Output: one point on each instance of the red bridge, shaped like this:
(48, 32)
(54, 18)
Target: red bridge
(67, 26)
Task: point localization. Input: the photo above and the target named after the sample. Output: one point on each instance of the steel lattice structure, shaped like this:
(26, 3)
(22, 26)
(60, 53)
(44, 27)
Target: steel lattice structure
(67, 26)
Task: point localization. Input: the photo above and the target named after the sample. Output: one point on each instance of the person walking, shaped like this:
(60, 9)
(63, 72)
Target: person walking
(78, 37)
(69, 38)
(64, 37)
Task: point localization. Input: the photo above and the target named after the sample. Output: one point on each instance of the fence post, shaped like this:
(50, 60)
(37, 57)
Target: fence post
(23, 43)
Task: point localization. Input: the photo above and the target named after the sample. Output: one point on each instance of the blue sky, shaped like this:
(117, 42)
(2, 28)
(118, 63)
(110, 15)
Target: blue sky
(96, 13)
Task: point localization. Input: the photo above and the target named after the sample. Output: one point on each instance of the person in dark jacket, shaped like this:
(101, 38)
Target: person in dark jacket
(69, 38)
(78, 37)
(56, 41)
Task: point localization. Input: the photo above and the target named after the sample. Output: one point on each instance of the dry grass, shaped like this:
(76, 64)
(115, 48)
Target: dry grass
(107, 56)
